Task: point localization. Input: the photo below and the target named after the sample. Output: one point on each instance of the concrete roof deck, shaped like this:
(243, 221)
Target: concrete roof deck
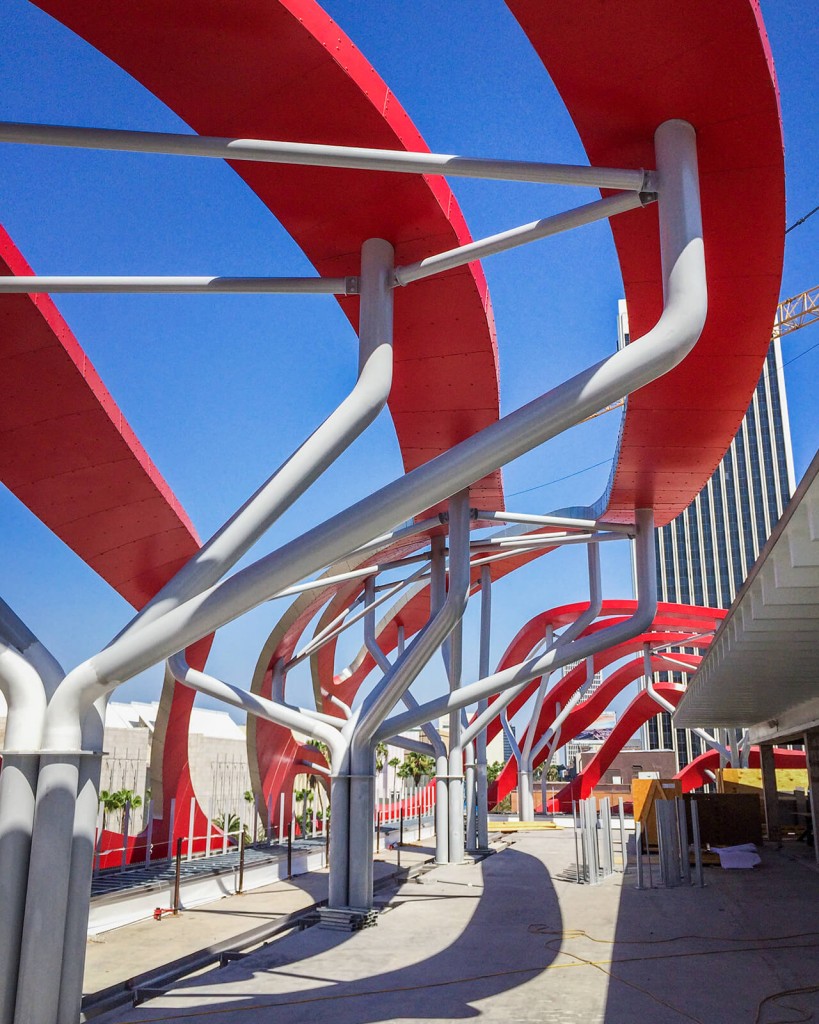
(508, 940)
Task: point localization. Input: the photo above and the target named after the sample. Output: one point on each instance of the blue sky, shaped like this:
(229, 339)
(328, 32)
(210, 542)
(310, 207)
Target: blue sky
(220, 389)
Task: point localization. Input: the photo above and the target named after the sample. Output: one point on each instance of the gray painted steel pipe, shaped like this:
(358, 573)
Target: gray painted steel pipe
(310, 154)
(145, 284)
(481, 781)
(561, 654)
(514, 237)
(29, 674)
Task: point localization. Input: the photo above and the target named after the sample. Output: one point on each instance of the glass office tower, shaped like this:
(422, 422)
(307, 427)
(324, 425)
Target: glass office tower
(704, 555)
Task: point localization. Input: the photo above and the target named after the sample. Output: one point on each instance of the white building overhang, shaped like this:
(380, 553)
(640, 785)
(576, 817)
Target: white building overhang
(762, 668)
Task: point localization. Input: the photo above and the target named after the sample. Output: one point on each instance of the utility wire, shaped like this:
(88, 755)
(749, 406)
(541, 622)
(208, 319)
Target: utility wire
(559, 479)
(812, 347)
(802, 220)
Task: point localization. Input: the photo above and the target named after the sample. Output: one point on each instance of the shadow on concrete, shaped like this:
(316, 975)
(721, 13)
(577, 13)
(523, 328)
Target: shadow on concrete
(716, 953)
(403, 968)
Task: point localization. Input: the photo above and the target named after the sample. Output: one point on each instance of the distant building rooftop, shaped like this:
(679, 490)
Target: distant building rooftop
(204, 722)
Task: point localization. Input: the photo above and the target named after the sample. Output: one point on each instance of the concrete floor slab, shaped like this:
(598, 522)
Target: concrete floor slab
(507, 940)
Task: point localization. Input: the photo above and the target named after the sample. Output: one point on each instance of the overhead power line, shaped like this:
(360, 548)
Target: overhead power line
(559, 479)
(802, 220)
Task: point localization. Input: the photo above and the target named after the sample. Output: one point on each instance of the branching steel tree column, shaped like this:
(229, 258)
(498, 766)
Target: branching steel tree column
(378, 704)
(28, 676)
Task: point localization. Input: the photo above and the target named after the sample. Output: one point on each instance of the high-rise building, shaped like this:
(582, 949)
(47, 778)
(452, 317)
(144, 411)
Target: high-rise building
(704, 555)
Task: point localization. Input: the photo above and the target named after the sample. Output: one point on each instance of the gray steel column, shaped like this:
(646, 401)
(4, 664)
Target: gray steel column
(441, 810)
(43, 945)
(82, 863)
(456, 753)
(437, 594)
(771, 799)
(526, 802)
(812, 763)
(482, 785)
(470, 791)
(18, 786)
(29, 674)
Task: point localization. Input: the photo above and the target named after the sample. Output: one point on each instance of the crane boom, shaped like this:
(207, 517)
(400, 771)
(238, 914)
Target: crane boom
(796, 312)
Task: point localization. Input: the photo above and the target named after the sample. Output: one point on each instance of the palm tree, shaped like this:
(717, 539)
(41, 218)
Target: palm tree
(416, 766)
(306, 798)
(234, 825)
(117, 801)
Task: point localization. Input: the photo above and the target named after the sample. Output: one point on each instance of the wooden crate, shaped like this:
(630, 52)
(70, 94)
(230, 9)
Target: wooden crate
(644, 794)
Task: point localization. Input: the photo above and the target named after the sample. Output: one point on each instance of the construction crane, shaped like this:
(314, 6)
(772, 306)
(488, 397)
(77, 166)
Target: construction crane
(791, 315)
(796, 312)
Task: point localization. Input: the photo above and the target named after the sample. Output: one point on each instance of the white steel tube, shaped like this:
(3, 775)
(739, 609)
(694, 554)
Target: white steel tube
(82, 861)
(561, 654)
(289, 718)
(29, 675)
(437, 596)
(544, 540)
(667, 706)
(551, 735)
(470, 791)
(23, 689)
(626, 370)
(514, 237)
(309, 154)
(571, 633)
(402, 533)
(146, 284)
(481, 782)
(456, 753)
(328, 634)
(568, 522)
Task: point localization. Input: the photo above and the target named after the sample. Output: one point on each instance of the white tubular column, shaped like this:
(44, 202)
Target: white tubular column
(29, 674)
(481, 783)
(82, 862)
(456, 753)
(22, 687)
(470, 794)
(437, 593)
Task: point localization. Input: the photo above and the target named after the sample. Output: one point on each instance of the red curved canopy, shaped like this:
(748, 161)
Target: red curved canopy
(694, 774)
(622, 69)
(282, 69)
(67, 452)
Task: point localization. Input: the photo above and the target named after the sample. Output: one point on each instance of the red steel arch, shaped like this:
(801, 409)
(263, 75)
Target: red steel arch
(673, 625)
(622, 69)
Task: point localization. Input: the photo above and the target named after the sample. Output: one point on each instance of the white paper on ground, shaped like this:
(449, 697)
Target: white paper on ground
(742, 856)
